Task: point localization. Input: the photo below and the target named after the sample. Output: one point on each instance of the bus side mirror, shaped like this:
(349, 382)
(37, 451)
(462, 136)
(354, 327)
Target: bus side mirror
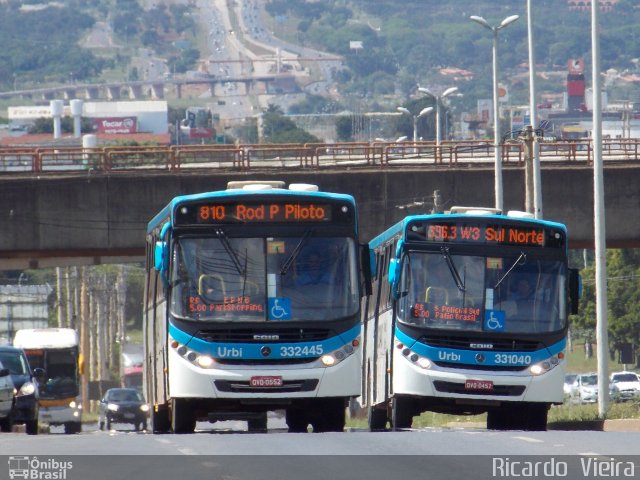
(368, 262)
(575, 289)
(160, 257)
(394, 277)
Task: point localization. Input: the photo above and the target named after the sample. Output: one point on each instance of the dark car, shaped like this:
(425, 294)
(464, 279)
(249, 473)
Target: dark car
(7, 392)
(123, 405)
(25, 409)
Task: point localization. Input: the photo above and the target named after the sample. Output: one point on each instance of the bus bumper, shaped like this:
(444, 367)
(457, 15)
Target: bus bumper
(305, 380)
(59, 415)
(521, 386)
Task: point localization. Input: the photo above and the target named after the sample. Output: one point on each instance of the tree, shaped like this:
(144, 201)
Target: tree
(277, 128)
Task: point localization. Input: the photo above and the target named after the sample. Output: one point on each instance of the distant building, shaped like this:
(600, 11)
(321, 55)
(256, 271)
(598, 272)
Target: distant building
(112, 122)
(23, 306)
(107, 117)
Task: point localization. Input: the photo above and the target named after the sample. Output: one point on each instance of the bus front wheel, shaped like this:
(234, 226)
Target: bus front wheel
(401, 412)
(182, 419)
(160, 422)
(377, 418)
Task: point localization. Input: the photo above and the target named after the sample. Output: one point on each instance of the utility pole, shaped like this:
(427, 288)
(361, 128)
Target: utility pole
(62, 299)
(437, 208)
(529, 159)
(84, 336)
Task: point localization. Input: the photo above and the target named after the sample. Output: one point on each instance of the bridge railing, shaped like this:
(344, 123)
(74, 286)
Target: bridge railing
(134, 158)
(208, 156)
(41, 160)
(277, 156)
(345, 154)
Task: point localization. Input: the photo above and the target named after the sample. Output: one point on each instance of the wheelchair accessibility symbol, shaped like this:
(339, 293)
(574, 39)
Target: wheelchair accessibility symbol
(494, 320)
(279, 308)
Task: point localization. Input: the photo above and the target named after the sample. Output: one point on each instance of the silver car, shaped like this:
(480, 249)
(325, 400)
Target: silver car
(585, 388)
(624, 386)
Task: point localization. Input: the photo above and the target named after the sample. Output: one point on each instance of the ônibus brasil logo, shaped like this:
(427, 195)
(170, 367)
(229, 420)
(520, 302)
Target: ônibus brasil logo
(38, 469)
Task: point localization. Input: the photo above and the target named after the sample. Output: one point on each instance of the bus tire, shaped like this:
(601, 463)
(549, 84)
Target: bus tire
(377, 418)
(535, 416)
(258, 425)
(401, 412)
(6, 424)
(182, 419)
(31, 427)
(503, 418)
(330, 415)
(160, 422)
(297, 420)
(72, 427)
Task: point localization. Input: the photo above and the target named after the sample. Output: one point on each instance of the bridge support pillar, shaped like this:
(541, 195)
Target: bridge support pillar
(113, 93)
(135, 92)
(70, 94)
(157, 91)
(92, 93)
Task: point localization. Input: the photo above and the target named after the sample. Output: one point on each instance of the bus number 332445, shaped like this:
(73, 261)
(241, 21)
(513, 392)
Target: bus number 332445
(298, 351)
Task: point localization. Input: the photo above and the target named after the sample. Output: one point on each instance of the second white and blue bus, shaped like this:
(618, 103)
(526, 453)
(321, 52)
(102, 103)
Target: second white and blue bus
(469, 314)
(253, 305)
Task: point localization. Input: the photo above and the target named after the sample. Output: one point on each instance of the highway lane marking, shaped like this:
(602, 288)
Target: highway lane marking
(187, 451)
(529, 439)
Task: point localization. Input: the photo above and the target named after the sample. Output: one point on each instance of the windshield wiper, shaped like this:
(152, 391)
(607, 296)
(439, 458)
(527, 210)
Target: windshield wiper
(522, 256)
(284, 268)
(452, 269)
(232, 254)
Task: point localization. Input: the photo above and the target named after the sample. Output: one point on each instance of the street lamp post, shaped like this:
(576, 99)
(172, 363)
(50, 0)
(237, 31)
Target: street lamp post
(422, 113)
(496, 111)
(438, 100)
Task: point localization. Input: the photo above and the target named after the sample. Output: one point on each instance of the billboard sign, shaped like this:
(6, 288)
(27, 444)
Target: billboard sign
(110, 125)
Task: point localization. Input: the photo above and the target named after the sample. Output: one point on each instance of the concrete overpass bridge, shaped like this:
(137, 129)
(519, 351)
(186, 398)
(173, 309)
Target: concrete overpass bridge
(63, 207)
(135, 90)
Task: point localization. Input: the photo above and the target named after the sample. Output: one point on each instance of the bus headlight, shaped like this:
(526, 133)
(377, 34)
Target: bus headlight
(74, 404)
(328, 360)
(204, 361)
(335, 357)
(544, 366)
(422, 362)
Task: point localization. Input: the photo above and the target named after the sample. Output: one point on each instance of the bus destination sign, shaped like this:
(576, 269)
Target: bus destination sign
(517, 235)
(262, 212)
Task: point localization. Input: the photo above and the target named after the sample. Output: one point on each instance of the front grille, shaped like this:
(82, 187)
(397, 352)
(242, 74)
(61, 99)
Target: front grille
(499, 344)
(288, 386)
(261, 362)
(247, 335)
(488, 368)
(498, 390)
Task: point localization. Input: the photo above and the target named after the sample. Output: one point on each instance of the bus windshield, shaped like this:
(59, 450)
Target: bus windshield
(264, 279)
(61, 371)
(517, 293)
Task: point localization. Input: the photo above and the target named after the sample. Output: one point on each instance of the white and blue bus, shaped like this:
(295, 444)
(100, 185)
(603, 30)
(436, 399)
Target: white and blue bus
(468, 315)
(253, 305)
